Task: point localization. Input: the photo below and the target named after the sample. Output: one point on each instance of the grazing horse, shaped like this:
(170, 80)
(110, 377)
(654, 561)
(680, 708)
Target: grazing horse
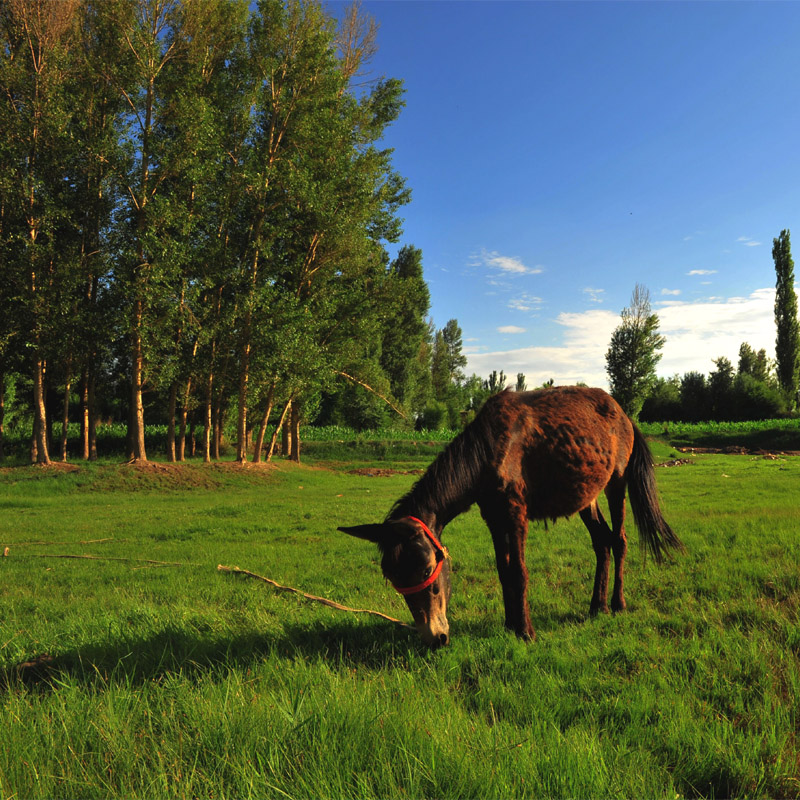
(527, 455)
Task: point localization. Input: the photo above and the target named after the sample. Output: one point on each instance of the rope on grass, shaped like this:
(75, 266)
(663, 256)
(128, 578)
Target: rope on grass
(312, 597)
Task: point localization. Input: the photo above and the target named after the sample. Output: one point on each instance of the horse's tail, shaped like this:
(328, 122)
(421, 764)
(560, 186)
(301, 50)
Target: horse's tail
(654, 533)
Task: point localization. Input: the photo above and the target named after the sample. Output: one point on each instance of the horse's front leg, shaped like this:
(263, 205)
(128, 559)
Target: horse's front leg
(509, 532)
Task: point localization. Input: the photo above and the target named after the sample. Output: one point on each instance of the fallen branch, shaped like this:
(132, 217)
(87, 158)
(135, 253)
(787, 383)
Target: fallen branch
(323, 600)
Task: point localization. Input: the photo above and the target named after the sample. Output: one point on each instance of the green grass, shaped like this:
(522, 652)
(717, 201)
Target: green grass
(768, 434)
(173, 681)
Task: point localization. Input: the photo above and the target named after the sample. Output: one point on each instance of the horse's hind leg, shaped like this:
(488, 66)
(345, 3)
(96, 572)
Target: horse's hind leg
(601, 542)
(508, 524)
(615, 494)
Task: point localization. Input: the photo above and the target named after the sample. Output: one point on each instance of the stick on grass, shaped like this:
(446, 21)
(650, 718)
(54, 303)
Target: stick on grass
(314, 598)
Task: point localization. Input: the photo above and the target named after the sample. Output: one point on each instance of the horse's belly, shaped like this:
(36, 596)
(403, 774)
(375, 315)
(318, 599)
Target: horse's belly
(562, 493)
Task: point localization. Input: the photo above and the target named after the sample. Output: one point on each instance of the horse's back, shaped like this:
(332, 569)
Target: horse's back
(558, 447)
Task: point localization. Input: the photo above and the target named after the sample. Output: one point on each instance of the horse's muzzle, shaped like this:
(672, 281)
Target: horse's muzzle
(436, 634)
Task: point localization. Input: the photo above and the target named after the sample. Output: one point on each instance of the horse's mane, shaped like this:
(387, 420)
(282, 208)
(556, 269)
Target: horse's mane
(448, 486)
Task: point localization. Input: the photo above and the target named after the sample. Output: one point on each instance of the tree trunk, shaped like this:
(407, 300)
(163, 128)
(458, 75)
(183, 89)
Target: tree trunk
(85, 412)
(218, 421)
(137, 405)
(92, 413)
(278, 428)
(263, 427)
(39, 454)
(286, 436)
(207, 420)
(173, 402)
(294, 422)
(241, 425)
(65, 417)
(184, 415)
(2, 412)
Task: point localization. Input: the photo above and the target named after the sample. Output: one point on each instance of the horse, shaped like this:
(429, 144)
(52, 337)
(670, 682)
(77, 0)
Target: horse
(538, 455)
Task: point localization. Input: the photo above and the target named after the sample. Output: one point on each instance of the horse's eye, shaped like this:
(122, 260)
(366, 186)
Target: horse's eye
(428, 572)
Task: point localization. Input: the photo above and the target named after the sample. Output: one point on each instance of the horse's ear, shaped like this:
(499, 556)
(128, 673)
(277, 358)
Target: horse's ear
(373, 532)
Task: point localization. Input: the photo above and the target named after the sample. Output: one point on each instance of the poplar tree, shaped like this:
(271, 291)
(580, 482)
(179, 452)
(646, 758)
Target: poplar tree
(633, 353)
(404, 328)
(787, 343)
(35, 40)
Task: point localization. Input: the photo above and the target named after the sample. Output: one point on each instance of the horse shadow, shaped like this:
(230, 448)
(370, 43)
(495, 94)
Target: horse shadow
(155, 657)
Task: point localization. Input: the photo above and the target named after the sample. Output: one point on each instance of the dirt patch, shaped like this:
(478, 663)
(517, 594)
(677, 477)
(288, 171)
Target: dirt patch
(676, 462)
(53, 466)
(737, 450)
(383, 472)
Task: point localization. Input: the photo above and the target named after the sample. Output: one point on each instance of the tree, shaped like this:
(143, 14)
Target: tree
(694, 397)
(634, 353)
(495, 383)
(757, 365)
(521, 386)
(35, 39)
(447, 360)
(405, 329)
(787, 343)
(720, 387)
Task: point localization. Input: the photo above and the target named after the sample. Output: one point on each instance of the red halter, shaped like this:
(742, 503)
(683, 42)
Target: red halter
(404, 590)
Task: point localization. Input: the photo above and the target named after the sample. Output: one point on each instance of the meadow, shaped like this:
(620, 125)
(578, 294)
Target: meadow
(145, 672)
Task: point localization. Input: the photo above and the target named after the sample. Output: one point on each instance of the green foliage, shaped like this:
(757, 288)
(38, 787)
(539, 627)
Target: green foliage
(633, 354)
(209, 204)
(752, 393)
(787, 343)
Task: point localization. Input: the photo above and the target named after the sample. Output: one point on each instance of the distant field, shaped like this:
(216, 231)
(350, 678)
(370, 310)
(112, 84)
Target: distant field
(173, 680)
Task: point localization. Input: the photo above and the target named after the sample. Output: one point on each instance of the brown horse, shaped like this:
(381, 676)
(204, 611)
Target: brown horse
(527, 455)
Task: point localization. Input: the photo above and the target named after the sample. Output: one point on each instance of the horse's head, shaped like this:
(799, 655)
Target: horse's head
(418, 567)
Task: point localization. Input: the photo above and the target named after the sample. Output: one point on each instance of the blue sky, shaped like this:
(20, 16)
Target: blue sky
(560, 152)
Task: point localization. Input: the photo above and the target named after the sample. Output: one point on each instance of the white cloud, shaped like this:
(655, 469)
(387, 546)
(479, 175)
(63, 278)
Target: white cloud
(524, 302)
(510, 329)
(702, 272)
(508, 265)
(580, 358)
(594, 294)
(672, 292)
(696, 333)
(748, 241)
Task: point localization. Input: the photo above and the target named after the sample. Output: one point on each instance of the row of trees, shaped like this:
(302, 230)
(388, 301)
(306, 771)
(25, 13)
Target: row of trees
(194, 209)
(746, 392)
(759, 388)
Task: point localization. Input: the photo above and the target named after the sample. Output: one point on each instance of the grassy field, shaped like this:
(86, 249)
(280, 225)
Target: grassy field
(174, 680)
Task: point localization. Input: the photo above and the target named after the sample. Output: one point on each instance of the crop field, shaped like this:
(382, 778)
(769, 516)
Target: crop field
(145, 672)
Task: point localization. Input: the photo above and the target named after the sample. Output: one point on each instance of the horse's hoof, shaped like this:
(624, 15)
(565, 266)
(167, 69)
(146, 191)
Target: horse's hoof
(595, 610)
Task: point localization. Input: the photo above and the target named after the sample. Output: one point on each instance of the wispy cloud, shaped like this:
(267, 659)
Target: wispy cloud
(702, 272)
(508, 265)
(594, 294)
(748, 241)
(525, 302)
(671, 292)
(510, 329)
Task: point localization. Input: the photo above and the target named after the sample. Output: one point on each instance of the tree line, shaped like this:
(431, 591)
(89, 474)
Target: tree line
(194, 213)
(757, 388)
